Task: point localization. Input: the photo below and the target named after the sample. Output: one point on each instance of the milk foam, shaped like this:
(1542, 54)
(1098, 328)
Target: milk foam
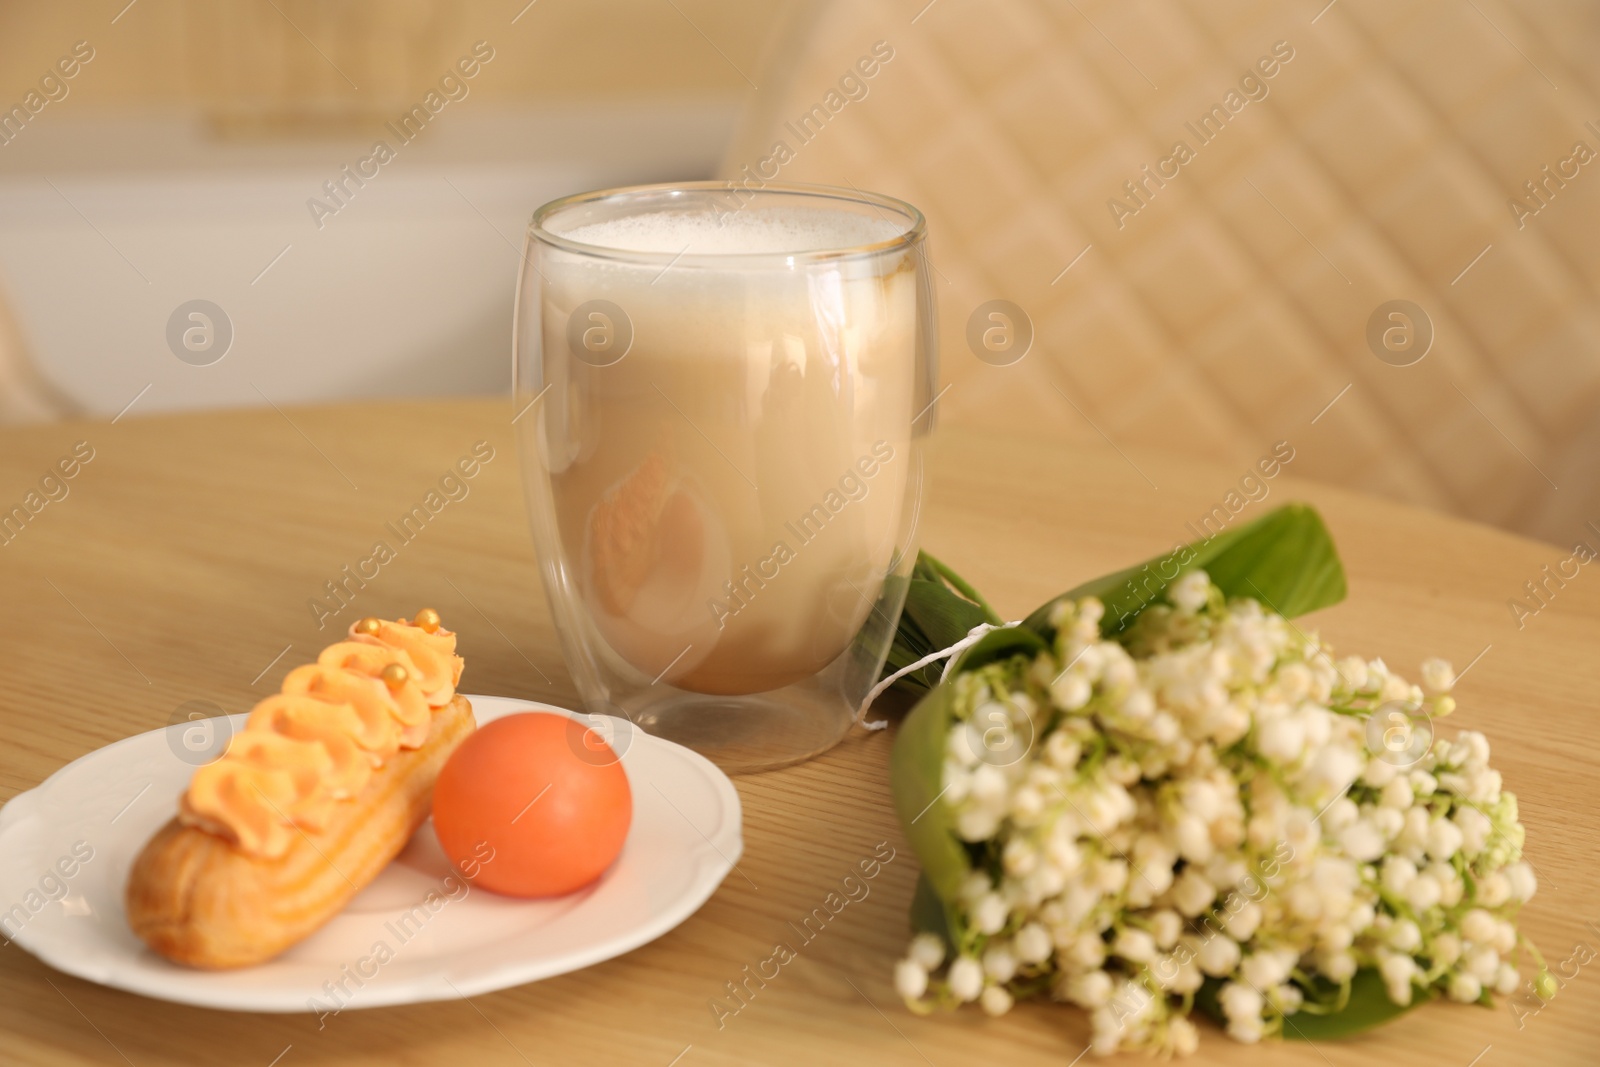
(753, 230)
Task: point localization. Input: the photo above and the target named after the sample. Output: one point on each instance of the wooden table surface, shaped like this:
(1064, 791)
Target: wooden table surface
(180, 566)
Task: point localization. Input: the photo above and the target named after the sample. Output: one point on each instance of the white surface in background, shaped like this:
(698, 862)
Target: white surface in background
(105, 228)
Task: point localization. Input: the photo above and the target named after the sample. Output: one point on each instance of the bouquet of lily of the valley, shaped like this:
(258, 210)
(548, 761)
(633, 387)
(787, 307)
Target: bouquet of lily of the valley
(1157, 793)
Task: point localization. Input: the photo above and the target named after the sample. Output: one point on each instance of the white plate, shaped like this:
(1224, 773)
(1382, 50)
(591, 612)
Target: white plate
(683, 841)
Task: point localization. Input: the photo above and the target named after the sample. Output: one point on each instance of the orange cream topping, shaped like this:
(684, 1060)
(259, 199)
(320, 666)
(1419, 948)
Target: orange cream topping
(317, 742)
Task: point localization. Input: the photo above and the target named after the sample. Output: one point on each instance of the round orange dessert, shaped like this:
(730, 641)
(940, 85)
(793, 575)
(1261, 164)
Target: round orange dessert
(545, 793)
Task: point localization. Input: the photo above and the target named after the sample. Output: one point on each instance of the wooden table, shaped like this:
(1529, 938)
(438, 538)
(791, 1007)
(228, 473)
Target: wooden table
(180, 565)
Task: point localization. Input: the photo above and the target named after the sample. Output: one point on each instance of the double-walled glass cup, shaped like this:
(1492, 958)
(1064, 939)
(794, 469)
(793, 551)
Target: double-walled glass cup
(721, 397)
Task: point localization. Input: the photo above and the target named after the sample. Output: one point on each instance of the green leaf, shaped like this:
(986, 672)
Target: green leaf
(1285, 559)
(940, 610)
(929, 914)
(955, 581)
(1368, 1006)
(942, 616)
(916, 770)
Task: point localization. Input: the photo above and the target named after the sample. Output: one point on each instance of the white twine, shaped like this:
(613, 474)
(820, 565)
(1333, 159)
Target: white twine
(949, 655)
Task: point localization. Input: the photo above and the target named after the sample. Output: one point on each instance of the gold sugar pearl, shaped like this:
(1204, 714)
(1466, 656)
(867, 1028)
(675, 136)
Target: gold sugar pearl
(394, 676)
(428, 619)
(370, 626)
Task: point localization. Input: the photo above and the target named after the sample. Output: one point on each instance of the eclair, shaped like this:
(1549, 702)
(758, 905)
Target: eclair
(323, 786)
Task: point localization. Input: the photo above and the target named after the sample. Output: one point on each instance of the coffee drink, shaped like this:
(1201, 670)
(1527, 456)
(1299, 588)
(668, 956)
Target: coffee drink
(727, 447)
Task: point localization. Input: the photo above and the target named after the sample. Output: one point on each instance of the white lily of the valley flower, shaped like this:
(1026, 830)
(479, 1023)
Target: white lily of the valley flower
(1032, 943)
(999, 962)
(1245, 920)
(965, 978)
(995, 1000)
(1240, 1001)
(1166, 926)
(1135, 945)
(927, 951)
(910, 979)
(1404, 936)
(989, 914)
(1190, 592)
(1423, 892)
(1481, 962)
(1478, 925)
(1523, 882)
(1141, 848)
(1192, 894)
(1444, 839)
(1362, 840)
(1398, 971)
(1219, 955)
(1089, 989)
(1437, 675)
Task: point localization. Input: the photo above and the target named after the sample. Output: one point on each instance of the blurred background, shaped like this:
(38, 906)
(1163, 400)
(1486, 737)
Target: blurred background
(1368, 228)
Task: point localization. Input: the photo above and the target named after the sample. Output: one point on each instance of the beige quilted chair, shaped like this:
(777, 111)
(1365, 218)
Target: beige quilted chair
(1335, 160)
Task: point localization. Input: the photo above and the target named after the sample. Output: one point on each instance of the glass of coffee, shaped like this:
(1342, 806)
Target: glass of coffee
(721, 397)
